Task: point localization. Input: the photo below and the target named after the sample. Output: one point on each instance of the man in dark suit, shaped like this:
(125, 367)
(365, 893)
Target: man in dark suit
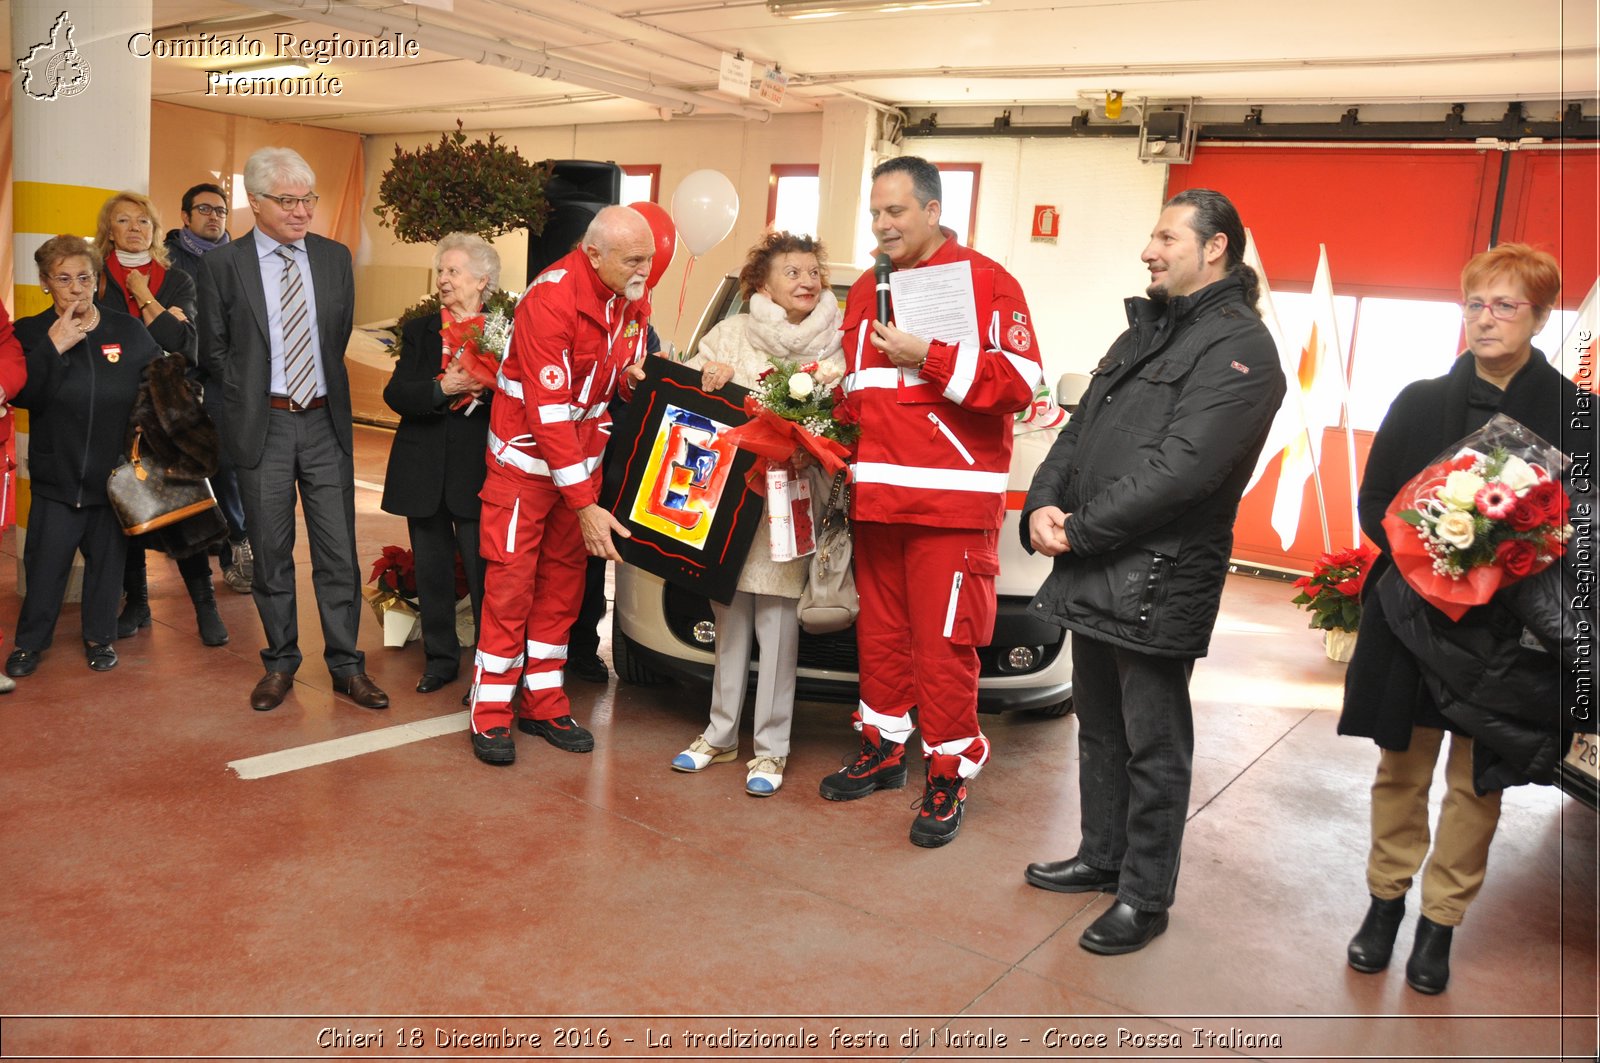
(275, 313)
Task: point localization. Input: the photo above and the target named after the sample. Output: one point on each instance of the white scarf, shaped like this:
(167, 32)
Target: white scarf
(772, 333)
(131, 260)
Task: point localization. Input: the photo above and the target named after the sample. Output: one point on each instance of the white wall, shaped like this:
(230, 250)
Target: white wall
(1108, 201)
(390, 276)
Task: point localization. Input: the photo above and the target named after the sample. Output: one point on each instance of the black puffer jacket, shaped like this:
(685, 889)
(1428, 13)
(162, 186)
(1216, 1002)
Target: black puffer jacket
(1385, 695)
(1150, 470)
(1518, 702)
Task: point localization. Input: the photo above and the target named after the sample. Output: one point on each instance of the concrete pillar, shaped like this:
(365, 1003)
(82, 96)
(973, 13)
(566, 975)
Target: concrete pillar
(80, 131)
(849, 138)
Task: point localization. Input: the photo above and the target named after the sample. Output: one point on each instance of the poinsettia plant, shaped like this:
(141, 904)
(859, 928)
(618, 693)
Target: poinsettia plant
(395, 572)
(1332, 593)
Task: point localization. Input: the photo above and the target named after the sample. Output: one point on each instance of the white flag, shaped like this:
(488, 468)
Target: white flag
(1321, 381)
(1289, 420)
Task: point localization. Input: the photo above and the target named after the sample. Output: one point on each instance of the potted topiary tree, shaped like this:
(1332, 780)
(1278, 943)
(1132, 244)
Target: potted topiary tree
(461, 185)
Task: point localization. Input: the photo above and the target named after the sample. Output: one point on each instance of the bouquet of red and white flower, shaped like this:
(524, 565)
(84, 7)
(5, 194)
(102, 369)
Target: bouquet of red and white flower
(1482, 516)
(796, 407)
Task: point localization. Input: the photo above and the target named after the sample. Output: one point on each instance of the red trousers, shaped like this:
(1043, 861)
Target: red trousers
(532, 589)
(927, 604)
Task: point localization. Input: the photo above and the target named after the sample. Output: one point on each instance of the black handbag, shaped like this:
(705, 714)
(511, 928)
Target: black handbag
(146, 498)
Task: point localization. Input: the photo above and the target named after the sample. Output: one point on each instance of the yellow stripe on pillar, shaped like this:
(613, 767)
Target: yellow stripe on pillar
(42, 207)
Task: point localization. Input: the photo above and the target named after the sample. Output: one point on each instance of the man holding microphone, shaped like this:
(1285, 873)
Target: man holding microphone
(929, 497)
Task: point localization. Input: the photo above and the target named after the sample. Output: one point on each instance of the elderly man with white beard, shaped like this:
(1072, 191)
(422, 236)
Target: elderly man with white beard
(577, 338)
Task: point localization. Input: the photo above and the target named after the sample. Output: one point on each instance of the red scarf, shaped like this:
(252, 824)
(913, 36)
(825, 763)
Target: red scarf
(154, 272)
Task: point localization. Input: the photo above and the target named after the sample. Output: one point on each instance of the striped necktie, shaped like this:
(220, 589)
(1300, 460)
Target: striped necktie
(299, 374)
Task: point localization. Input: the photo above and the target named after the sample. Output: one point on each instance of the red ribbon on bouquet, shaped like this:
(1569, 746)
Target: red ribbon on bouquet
(774, 439)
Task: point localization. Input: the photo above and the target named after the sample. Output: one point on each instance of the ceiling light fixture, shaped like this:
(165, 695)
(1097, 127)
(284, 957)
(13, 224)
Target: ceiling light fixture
(802, 9)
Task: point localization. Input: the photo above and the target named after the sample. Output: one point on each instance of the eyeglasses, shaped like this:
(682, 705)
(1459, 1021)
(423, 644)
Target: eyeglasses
(1501, 309)
(62, 280)
(222, 212)
(291, 202)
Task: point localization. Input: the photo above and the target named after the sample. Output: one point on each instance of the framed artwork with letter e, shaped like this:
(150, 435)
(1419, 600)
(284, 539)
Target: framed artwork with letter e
(677, 486)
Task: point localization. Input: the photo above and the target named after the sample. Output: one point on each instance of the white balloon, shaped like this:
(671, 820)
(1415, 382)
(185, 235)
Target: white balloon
(704, 208)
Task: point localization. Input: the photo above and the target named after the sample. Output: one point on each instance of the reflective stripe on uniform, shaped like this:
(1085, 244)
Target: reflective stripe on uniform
(1029, 370)
(545, 651)
(507, 454)
(894, 728)
(506, 386)
(572, 475)
(880, 377)
(490, 662)
(964, 373)
(877, 472)
(542, 680)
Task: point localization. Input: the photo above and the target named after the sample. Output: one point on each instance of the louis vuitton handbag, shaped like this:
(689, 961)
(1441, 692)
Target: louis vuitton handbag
(145, 498)
(829, 601)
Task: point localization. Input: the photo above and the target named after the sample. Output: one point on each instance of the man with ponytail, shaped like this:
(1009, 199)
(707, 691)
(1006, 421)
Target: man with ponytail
(1136, 503)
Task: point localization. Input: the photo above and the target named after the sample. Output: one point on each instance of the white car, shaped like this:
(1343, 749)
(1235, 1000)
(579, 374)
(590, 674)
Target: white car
(661, 631)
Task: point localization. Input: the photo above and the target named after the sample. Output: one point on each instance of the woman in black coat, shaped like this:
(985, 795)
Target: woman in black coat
(85, 364)
(436, 464)
(1509, 293)
(139, 281)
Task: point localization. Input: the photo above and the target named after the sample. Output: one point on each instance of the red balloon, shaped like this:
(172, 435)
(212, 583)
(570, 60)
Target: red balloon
(666, 235)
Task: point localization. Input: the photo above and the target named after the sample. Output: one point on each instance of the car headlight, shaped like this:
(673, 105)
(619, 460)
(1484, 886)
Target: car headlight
(1019, 658)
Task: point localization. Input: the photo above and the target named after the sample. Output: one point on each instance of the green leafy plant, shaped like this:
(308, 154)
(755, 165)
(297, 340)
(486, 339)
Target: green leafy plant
(461, 185)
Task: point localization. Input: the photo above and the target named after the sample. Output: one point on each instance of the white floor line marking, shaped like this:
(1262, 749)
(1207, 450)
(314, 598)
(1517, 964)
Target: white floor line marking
(260, 767)
(369, 485)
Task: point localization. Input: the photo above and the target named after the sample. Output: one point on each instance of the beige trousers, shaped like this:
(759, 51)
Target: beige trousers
(1400, 839)
(773, 622)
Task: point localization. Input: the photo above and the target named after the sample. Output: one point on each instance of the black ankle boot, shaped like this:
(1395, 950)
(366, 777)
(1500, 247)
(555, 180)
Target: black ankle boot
(212, 631)
(136, 607)
(1373, 944)
(1428, 970)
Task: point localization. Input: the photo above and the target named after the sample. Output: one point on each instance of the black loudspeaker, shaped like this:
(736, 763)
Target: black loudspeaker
(576, 191)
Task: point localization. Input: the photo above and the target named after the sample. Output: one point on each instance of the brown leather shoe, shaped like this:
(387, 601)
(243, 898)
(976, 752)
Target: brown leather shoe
(271, 690)
(360, 689)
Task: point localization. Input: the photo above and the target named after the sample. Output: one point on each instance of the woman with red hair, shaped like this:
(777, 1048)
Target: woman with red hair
(1393, 695)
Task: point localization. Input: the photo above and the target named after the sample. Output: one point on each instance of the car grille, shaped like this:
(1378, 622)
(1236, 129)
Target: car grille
(837, 652)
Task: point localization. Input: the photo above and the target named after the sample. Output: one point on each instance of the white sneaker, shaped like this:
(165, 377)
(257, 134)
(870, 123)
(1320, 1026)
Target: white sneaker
(7, 684)
(701, 755)
(766, 775)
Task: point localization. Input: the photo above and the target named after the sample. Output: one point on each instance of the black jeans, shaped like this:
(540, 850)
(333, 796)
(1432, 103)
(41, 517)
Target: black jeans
(1135, 754)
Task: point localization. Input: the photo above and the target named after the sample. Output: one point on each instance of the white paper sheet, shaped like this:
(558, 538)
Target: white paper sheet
(935, 303)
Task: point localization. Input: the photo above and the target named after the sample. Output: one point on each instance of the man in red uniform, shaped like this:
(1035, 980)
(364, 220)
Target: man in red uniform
(578, 330)
(930, 484)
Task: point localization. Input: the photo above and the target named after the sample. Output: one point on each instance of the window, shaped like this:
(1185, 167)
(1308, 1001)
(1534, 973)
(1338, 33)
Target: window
(1391, 342)
(960, 204)
(641, 184)
(794, 199)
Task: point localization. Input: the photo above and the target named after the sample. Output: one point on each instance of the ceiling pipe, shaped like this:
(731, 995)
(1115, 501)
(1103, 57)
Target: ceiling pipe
(507, 56)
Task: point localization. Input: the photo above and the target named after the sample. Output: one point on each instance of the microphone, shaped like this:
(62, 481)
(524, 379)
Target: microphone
(881, 268)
